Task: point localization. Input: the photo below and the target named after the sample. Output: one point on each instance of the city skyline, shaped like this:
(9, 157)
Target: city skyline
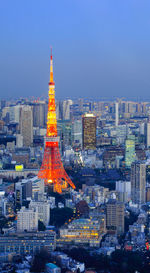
(75, 168)
(97, 46)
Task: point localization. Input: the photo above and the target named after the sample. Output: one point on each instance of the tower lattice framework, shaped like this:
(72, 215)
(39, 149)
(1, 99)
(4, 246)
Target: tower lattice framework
(52, 170)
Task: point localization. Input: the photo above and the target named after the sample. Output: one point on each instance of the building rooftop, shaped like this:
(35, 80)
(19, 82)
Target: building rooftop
(52, 266)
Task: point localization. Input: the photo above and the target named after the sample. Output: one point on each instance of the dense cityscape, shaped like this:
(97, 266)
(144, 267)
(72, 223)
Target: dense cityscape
(74, 185)
(74, 136)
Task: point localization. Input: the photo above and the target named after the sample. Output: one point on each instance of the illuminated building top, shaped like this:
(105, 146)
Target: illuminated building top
(51, 115)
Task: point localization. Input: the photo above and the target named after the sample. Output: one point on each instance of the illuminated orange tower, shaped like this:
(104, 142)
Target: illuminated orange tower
(52, 170)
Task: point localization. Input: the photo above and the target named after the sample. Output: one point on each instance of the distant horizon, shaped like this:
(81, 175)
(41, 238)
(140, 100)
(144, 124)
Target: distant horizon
(102, 99)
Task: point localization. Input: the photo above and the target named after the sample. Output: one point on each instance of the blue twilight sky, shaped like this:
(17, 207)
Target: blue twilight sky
(101, 48)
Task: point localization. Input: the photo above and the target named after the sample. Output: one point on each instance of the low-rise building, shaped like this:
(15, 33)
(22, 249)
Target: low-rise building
(27, 242)
(83, 231)
(52, 268)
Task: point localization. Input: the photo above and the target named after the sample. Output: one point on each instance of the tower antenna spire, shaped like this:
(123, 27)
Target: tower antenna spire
(51, 53)
(51, 82)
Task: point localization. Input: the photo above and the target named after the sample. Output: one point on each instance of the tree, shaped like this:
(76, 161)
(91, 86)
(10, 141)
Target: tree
(39, 261)
(60, 216)
(3, 222)
(41, 226)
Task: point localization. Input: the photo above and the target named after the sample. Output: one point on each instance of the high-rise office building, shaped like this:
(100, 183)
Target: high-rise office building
(138, 182)
(129, 150)
(89, 131)
(123, 188)
(19, 141)
(115, 216)
(29, 188)
(38, 114)
(27, 220)
(131, 107)
(124, 107)
(23, 190)
(144, 108)
(58, 116)
(64, 132)
(121, 133)
(138, 107)
(26, 125)
(116, 114)
(77, 133)
(14, 112)
(80, 103)
(66, 109)
(147, 134)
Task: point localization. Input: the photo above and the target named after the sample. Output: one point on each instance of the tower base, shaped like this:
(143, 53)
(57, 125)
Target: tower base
(52, 170)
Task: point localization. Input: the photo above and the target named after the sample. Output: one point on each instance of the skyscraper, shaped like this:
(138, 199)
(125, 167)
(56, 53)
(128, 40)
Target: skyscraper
(116, 114)
(38, 114)
(77, 133)
(124, 190)
(147, 134)
(138, 182)
(23, 190)
(66, 109)
(64, 132)
(129, 150)
(15, 113)
(26, 125)
(89, 131)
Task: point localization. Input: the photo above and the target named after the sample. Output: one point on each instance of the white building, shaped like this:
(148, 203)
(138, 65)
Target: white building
(27, 219)
(19, 141)
(124, 190)
(5, 111)
(43, 209)
(66, 109)
(51, 201)
(15, 113)
(148, 134)
(117, 114)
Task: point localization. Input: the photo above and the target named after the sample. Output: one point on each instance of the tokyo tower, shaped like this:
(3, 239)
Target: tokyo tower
(52, 170)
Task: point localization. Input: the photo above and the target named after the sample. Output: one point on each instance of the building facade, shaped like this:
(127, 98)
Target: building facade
(27, 220)
(28, 242)
(138, 182)
(115, 216)
(129, 150)
(26, 125)
(43, 209)
(89, 131)
(83, 231)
